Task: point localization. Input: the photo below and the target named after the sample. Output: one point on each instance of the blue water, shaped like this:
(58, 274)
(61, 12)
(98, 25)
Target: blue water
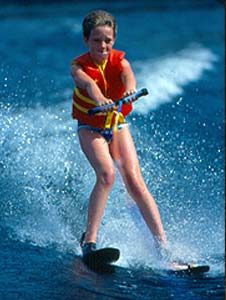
(177, 52)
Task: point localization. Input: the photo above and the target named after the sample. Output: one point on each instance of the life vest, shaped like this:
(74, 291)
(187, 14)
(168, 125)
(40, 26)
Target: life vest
(108, 79)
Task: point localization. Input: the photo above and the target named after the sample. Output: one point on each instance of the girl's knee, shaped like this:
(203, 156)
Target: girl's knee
(107, 177)
(135, 184)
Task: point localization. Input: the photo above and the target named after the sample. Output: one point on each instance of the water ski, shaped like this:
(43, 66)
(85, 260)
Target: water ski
(190, 269)
(102, 259)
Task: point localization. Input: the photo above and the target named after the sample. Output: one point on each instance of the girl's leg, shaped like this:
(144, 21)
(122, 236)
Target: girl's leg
(96, 150)
(123, 152)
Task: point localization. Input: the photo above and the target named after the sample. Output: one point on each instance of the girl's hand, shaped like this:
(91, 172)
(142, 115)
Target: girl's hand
(129, 92)
(105, 101)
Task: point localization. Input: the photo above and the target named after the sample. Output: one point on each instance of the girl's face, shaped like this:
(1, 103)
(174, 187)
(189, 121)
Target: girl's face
(100, 43)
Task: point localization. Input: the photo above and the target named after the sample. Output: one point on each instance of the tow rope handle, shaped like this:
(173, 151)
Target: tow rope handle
(127, 99)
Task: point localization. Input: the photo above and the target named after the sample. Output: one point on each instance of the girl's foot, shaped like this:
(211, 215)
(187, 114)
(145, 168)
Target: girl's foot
(87, 248)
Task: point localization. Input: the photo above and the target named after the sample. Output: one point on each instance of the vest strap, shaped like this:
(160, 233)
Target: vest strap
(119, 118)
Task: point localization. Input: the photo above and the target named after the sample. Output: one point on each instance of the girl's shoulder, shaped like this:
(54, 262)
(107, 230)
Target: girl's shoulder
(82, 59)
(116, 55)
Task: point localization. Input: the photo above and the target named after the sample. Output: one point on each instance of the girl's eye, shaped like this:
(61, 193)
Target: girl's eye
(108, 41)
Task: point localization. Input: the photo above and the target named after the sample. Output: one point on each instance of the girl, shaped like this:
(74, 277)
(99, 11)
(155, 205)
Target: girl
(103, 75)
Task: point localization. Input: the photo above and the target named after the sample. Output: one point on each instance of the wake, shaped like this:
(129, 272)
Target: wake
(167, 76)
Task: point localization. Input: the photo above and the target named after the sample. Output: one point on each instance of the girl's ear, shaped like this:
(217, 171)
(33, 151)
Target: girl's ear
(85, 39)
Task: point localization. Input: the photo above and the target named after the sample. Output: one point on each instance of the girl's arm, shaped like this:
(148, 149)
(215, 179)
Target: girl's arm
(85, 82)
(128, 78)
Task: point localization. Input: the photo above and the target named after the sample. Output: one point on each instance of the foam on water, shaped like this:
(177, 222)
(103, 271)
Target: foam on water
(36, 163)
(167, 76)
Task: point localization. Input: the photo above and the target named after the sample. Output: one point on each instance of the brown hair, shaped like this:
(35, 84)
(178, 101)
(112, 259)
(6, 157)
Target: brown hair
(98, 18)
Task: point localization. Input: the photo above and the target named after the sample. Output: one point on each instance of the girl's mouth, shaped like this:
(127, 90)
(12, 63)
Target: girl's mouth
(102, 52)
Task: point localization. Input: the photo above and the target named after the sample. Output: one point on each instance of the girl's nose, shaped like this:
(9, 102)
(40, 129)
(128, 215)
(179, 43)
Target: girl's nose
(103, 44)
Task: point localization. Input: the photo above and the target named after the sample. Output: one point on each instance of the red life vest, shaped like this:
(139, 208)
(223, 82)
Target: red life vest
(108, 79)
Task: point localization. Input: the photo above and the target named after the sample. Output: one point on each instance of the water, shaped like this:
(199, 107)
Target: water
(179, 134)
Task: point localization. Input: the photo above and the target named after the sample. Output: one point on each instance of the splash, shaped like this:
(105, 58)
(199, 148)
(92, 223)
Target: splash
(41, 176)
